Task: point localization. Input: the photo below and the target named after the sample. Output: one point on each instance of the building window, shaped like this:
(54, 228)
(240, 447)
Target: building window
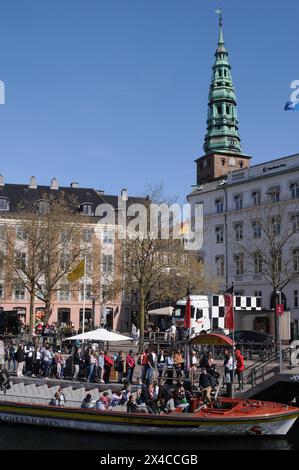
(64, 262)
(296, 298)
(64, 293)
(294, 187)
(4, 204)
(256, 198)
(227, 109)
(21, 233)
(239, 264)
(107, 264)
(64, 315)
(86, 209)
(1, 291)
(276, 223)
(21, 260)
(257, 230)
(87, 315)
(296, 259)
(258, 263)
(238, 229)
(241, 164)
(238, 202)
(219, 261)
(295, 222)
(258, 293)
(219, 234)
(219, 205)
(43, 207)
(108, 236)
(87, 292)
(87, 235)
(19, 292)
(89, 264)
(273, 194)
(219, 109)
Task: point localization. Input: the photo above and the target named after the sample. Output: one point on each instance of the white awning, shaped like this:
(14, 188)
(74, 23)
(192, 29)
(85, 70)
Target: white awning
(100, 334)
(161, 311)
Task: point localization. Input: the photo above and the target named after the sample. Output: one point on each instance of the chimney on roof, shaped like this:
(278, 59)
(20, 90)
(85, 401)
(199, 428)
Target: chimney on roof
(54, 183)
(32, 184)
(124, 194)
(1, 181)
(74, 184)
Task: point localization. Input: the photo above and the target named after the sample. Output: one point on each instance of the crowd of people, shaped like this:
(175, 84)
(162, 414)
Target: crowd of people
(95, 365)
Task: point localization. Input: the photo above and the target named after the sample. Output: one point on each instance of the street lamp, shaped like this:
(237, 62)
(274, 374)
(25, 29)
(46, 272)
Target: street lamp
(278, 292)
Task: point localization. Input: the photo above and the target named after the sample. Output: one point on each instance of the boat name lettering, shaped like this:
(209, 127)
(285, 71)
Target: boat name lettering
(28, 420)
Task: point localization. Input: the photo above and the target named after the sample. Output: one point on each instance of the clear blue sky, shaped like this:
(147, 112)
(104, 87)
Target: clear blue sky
(113, 93)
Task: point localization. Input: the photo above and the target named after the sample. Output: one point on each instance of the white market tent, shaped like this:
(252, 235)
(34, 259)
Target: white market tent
(100, 334)
(161, 311)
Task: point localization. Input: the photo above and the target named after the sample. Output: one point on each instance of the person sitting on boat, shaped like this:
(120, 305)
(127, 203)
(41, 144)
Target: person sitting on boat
(115, 399)
(104, 402)
(132, 406)
(180, 399)
(55, 401)
(87, 402)
(170, 404)
(206, 385)
(61, 396)
(125, 393)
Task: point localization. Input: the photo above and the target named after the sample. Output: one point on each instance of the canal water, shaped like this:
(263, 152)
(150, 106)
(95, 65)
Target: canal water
(23, 437)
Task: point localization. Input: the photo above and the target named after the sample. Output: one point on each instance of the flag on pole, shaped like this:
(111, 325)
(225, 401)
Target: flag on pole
(187, 317)
(229, 321)
(77, 273)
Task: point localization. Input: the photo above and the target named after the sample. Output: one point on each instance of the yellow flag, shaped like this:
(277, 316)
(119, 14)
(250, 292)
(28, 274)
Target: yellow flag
(77, 272)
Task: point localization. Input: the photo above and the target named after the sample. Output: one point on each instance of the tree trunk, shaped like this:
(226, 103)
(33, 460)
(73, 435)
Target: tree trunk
(276, 326)
(47, 310)
(141, 318)
(31, 315)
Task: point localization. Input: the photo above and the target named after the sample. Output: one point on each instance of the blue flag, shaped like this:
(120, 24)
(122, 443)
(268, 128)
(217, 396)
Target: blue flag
(292, 106)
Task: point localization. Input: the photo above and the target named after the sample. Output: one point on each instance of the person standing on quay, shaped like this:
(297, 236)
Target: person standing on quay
(130, 366)
(20, 358)
(240, 367)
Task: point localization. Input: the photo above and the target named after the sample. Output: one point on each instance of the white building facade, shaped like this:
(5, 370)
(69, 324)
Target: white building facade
(231, 206)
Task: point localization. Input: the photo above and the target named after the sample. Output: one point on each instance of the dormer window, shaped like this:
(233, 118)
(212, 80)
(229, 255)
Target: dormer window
(43, 207)
(86, 209)
(4, 204)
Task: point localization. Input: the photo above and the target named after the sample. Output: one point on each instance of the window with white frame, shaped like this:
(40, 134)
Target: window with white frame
(219, 233)
(273, 194)
(87, 292)
(276, 225)
(239, 264)
(238, 201)
(64, 293)
(87, 233)
(21, 233)
(65, 236)
(107, 264)
(43, 206)
(238, 229)
(294, 187)
(86, 209)
(296, 259)
(295, 222)
(64, 262)
(21, 259)
(89, 264)
(219, 203)
(258, 263)
(219, 261)
(19, 292)
(257, 229)
(256, 198)
(4, 204)
(108, 236)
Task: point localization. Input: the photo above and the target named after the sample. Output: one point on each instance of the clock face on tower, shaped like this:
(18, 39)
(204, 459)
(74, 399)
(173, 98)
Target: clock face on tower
(232, 162)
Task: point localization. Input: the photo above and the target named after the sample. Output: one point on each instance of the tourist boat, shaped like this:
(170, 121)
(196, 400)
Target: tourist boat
(227, 416)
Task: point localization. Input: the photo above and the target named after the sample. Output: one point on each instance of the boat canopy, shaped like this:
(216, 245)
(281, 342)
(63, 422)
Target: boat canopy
(212, 339)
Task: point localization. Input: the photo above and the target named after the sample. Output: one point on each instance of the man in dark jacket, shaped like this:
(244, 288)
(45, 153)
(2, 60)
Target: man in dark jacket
(77, 360)
(206, 385)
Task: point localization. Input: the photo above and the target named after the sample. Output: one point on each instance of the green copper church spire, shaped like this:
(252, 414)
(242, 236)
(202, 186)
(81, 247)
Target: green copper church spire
(222, 123)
